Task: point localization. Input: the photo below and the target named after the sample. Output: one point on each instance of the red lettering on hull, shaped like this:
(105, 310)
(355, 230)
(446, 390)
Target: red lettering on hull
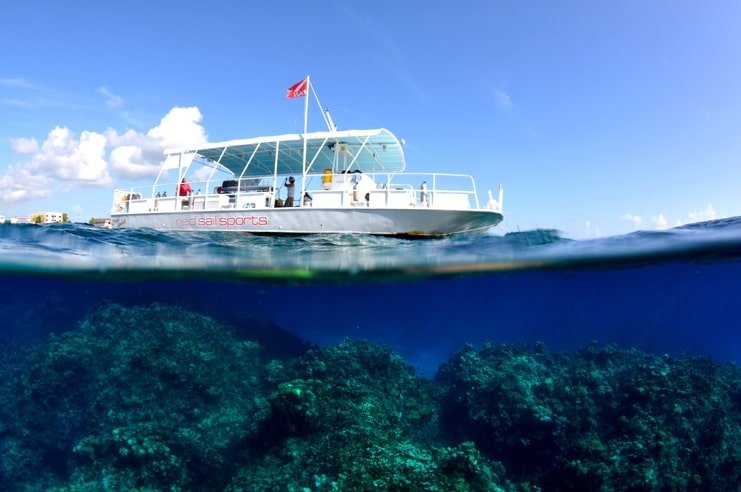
(228, 221)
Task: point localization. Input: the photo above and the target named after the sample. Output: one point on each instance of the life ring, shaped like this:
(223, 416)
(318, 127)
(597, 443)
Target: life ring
(124, 198)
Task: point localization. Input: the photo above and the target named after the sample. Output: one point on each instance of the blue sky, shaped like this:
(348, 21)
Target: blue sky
(597, 117)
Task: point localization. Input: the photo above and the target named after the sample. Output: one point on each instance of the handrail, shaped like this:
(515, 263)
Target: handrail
(312, 183)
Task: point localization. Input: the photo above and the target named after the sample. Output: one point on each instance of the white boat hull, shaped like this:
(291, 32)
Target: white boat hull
(425, 222)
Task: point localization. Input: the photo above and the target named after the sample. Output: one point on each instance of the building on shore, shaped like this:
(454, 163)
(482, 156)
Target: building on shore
(47, 217)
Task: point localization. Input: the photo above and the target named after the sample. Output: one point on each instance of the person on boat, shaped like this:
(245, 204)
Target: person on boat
(290, 185)
(184, 189)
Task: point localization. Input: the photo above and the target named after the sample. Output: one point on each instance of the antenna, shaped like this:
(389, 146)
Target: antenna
(325, 115)
(330, 123)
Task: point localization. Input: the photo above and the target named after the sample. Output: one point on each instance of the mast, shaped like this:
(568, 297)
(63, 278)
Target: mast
(306, 129)
(306, 106)
(327, 120)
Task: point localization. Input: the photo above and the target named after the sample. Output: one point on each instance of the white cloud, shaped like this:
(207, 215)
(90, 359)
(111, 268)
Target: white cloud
(112, 100)
(503, 99)
(659, 222)
(131, 161)
(181, 126)
(18, 82)
(24, 145)
(64, 156)
(25, 94)
(19, 183)
(708, 214)
(136, 156)
(636, 220)
(16, 103)
(64, 159)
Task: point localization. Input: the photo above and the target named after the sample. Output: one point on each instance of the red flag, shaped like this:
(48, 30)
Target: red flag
(298, 89)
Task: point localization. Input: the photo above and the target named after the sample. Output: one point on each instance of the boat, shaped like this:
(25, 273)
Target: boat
(325, 182)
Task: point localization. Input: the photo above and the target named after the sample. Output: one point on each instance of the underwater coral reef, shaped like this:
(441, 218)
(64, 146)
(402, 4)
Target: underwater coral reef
(155, 397)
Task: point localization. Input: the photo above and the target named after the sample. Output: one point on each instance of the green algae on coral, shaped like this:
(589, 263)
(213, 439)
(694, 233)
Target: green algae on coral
(159, 398)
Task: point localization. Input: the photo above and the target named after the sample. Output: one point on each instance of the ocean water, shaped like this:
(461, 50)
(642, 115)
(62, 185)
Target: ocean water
(669, 291)
(671, 294)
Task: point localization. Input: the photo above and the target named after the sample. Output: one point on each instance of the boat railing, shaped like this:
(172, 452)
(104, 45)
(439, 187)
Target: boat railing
(339, 190)
(126, 201)
(433, 190)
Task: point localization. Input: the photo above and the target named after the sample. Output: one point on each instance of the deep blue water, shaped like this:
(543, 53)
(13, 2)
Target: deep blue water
(671, 292)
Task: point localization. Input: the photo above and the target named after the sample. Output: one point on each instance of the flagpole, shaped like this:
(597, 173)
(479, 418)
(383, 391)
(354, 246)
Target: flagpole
(306, 105)
(306, 129)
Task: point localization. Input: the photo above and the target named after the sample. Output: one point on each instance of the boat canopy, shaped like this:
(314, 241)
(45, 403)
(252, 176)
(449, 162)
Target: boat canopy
(375, 150)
